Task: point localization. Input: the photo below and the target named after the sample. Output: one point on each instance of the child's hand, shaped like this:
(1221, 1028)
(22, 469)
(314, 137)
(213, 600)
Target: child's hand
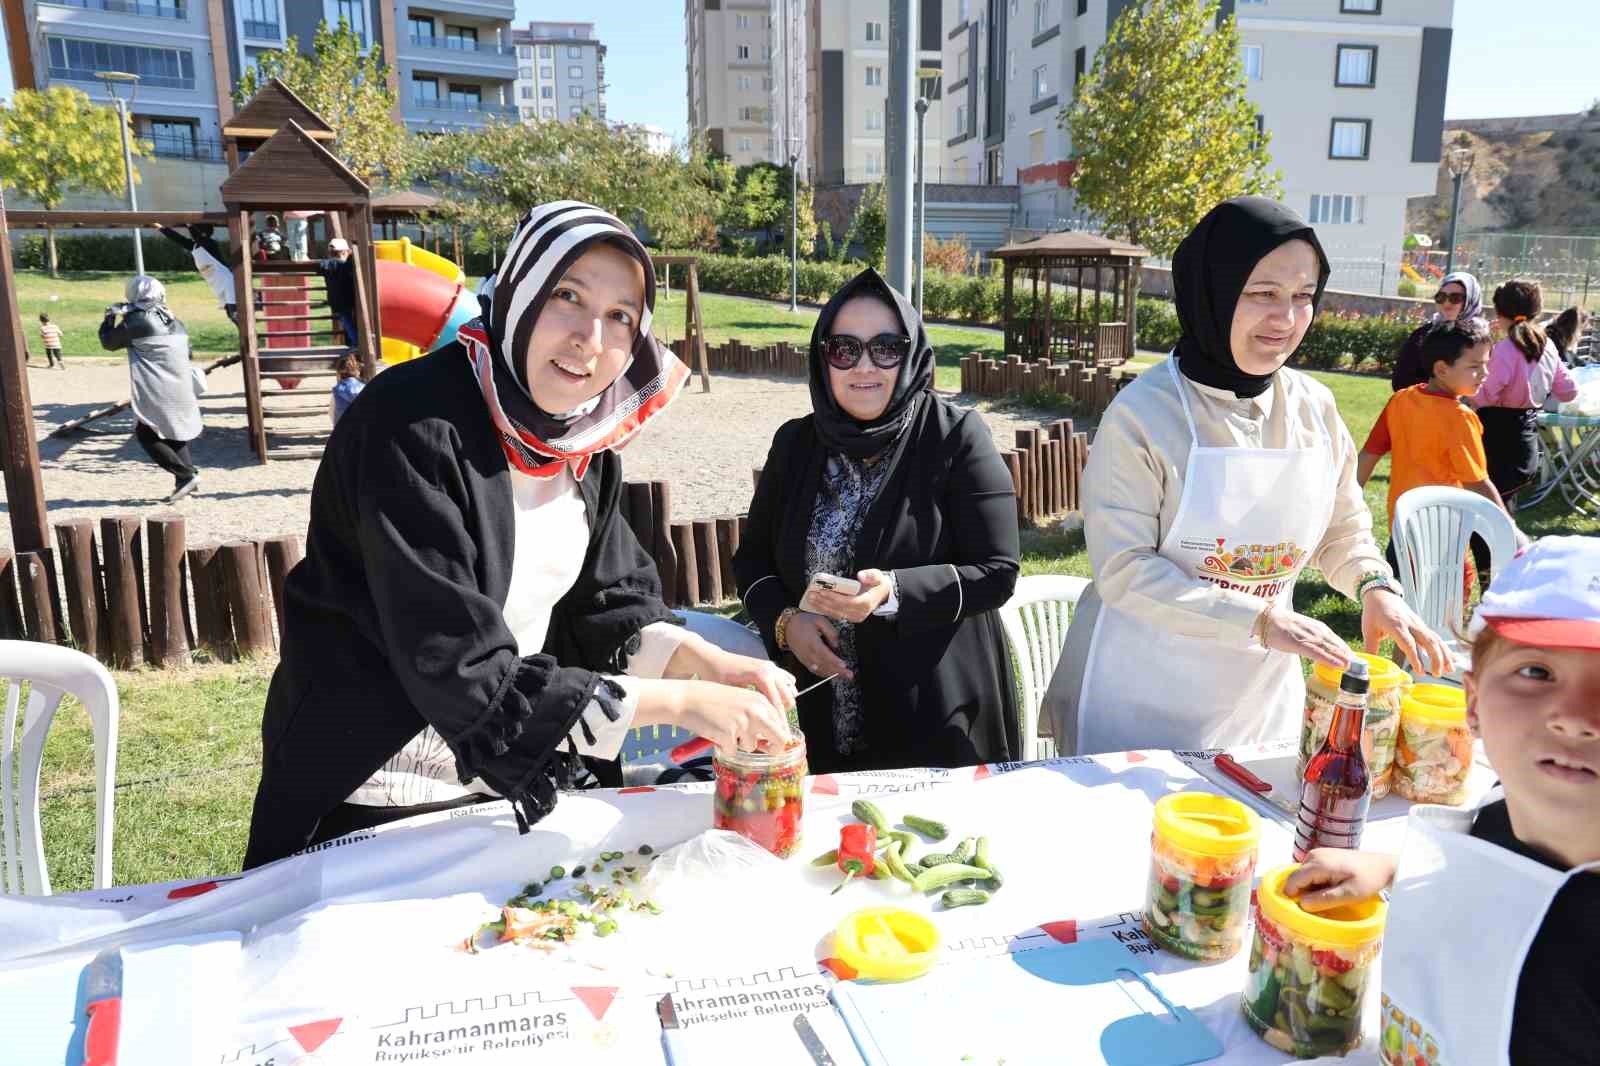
(1338, 876)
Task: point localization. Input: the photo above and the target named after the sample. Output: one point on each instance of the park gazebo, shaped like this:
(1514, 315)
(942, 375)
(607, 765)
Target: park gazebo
(1033, 328)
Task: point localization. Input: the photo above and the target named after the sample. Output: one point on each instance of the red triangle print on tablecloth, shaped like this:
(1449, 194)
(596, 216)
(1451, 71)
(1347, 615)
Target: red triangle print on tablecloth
(1137, 756)
(839, 968)
(598, 1000)
(981, 771)
(1062, 932)
(825, 785)
(313, 1035)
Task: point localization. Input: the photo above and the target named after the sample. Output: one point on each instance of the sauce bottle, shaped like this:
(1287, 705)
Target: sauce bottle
(1337, 788)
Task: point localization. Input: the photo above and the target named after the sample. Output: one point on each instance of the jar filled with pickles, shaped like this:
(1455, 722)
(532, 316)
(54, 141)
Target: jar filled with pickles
(1202, 860)
(761, 795)
(1433, 755)
(1309, 973)
(1389, 685)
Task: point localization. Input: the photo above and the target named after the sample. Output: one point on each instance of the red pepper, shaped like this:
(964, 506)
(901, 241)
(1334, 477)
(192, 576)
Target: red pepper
(856, 844)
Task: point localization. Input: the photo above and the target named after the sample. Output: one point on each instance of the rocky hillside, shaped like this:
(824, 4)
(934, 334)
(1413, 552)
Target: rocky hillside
(1533, 180)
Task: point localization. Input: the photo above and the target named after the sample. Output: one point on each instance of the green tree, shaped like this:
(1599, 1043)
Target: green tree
(870, 225)
(58, 141)
(1161, 129)
(349, 90)
(758, 200)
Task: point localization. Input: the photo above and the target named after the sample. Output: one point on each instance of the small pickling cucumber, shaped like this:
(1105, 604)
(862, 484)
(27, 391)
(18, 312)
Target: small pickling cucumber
(927, 827)
(867, 811)
(938, 858)
(980, 859)
(964, 897)
(965, 849)
(948, 874)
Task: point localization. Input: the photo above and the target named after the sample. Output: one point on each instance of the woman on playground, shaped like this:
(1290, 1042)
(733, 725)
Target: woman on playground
(1215, 479)
(473, 614)
(1459, 296)
(888, 485)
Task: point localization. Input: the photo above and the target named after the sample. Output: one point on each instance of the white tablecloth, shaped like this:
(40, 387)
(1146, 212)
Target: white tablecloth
(350, 953)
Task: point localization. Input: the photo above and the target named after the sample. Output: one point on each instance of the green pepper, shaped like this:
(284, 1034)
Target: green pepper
(827, 858)
(1265, 1005)
(896, 865)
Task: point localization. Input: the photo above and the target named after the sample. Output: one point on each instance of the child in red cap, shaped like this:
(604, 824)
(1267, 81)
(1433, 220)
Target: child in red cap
(1492, 951)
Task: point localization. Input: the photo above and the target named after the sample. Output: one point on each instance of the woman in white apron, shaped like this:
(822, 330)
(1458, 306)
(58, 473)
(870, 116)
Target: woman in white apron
(1213, 481)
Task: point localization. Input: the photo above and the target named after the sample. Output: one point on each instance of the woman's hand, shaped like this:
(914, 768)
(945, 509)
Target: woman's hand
(1385, 614)
(814, 642)
(1337, 876)
(732, 718)
(741, 671)
(1284, 630)
(875, 588)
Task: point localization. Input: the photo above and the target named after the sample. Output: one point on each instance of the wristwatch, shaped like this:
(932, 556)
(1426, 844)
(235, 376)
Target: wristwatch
(1378, 581)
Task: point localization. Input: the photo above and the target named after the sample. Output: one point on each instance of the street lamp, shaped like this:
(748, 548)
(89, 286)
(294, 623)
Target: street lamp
(922, 200)
(113, 78)
(1460, 164)
(792, 147)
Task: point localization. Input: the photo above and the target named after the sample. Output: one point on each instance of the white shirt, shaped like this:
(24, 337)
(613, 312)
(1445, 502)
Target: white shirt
(217, 275)
(552, 539)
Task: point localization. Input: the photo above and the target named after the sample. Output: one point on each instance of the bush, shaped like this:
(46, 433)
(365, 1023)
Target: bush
(1157, 325)
(104, 251)
(1407, 288)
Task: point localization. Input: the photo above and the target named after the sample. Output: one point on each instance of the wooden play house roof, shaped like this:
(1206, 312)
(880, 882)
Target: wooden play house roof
(292, 171)
(273, 107)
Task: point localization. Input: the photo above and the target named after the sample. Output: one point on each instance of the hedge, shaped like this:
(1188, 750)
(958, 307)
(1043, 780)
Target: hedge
(102, 251)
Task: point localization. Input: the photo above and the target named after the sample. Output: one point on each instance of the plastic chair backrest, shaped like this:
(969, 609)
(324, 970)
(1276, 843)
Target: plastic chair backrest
(1432, 533)
(726, 634)
(50, 673)
(1035, 621)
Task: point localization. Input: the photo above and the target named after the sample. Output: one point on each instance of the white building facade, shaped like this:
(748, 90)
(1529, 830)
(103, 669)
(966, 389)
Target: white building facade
(560, 71)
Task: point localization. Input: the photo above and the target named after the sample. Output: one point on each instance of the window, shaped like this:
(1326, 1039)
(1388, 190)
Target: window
(995, 165)
(963, 10)
(747, 114)
(745, 83)
(424, 91)
(461, 38)
(1261, 131)
(742, 52)
(874, 76)
(1252, 62)
(421, 31)
(1041, 82)
(575, 92)
(1349, 137)
(353, 12)
(527, 92)
(1361, 7)
(961, 64)
(575, 110)
(874, 32)
(260, 17)
(874, 119)
(766, 52)
(874, 164)
(547, 92)
(928, 88)
(545, 51)
(173, 138)
(466, 97)
(547, 73)
(1011, 64)
(525, 73)
(575, 72)
(1035, 148)
(547, 112)
(961, 120)
(1357, 66)
(1083, 7)
(741, 21)
(745, 144)
(524, 51)
(574, 52)
(77, 60)
(766, 83)
(1338, 209)
(1080, 60)
(1041, 13)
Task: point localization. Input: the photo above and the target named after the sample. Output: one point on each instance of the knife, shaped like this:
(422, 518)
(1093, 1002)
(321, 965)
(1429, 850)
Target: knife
(1240, 775)
(690, 748)
(813, 1042)
(102, 997)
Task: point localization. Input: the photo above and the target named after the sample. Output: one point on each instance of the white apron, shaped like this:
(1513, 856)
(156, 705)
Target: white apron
(1248, 520)
(1459, 906)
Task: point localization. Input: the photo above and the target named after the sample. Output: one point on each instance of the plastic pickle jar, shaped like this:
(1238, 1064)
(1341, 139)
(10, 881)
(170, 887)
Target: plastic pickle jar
(1433, 754)
(1308, 973)
(1202, 860)
(761, 796)
(1389, 685)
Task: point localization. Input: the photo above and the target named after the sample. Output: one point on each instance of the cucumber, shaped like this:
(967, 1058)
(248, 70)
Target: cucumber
(964, 850)
(981, 860)
(896, 865)
(867, 811)
(948, 874)
(927, 827)
(942, 858)
(964, 897)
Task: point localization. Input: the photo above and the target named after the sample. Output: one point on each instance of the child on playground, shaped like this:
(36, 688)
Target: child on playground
(347, 388)
(1507, 892)
(50, 334)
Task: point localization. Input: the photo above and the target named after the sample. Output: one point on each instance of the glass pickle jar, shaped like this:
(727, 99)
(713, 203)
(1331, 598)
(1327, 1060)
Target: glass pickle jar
(1389, 685)
(761, 795)
(1202, 859)
(1309, 973)
(1433, 756)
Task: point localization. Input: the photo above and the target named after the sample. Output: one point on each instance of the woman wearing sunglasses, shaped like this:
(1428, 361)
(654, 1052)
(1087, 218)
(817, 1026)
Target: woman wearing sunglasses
(886, 484)
(1459, 296)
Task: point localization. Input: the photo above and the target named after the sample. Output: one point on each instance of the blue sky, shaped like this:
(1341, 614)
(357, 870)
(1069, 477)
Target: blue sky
(1540, 62)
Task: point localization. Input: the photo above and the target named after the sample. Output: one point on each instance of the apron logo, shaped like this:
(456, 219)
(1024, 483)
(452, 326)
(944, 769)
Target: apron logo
(1405, 1042)
(1261, 569)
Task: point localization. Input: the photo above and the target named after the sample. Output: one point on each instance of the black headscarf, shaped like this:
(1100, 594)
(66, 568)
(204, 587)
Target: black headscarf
(840, 432)
(1209, 271)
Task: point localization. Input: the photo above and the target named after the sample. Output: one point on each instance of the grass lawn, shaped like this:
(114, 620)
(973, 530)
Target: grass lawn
(189, 753)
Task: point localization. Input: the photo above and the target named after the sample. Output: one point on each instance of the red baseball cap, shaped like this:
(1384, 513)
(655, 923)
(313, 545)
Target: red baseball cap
(1548, 596)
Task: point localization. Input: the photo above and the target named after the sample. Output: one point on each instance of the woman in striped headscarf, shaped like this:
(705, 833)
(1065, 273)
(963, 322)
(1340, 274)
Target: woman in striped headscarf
(474, 617)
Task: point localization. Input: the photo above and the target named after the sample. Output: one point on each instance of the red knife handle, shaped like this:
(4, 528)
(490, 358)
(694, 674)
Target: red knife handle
(100, 1038)
(1236, 770)
(689, 749)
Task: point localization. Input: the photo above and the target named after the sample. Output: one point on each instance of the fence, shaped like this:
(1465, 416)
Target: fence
(1567, 267)
(1089, 386)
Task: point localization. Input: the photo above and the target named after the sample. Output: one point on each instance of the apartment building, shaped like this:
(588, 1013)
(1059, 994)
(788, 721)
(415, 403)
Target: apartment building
(560, 71)
(728, 55)
(455, 62)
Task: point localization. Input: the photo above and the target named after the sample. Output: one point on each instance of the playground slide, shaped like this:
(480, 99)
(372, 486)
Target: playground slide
(1410, 273)
(410, 298)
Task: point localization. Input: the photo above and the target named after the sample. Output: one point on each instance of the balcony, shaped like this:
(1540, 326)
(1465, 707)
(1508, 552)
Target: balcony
(126, 7)
(151, 81)
(463, 44)
(263, 31)
(205, 150)
(480, 109)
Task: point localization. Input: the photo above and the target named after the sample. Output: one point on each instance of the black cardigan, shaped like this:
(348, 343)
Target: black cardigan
(1409, 368)
(394, 619)
(935, 679)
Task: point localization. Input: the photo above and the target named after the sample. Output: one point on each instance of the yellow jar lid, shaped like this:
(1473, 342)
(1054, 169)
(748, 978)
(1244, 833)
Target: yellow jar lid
(1207, 824)
(1383, 673)
(887, 943)
(1441, 706)
(1347, 926)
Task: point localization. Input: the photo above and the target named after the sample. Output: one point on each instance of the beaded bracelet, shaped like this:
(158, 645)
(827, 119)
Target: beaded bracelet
(1372, 580)
(780, 631)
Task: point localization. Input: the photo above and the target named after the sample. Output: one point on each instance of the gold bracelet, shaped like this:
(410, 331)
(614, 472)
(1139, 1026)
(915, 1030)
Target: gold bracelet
(780, 631)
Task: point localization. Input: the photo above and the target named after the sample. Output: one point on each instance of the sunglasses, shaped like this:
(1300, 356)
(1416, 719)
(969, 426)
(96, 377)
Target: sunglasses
(887, 350)
(1448, 298)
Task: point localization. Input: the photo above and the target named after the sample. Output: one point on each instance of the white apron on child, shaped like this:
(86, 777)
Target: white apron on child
(1147, 687)
(1463, 914)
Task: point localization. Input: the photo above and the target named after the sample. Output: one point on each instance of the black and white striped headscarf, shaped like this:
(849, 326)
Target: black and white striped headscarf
(547, 242)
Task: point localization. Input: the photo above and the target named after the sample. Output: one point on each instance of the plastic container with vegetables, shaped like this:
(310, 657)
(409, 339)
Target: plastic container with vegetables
(1202, 858)
(1309, 972)
(1433, 756)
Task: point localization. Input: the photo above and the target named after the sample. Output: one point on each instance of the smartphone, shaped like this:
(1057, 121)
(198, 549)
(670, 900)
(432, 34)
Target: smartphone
(844, 585)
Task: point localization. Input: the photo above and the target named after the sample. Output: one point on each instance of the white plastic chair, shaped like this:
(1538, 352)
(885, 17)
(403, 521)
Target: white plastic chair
(50, 673)
(1433, 528)
(1035, 621)
(644, 752)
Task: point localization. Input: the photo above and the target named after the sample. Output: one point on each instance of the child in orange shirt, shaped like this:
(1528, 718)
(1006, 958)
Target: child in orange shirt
(1435, 439)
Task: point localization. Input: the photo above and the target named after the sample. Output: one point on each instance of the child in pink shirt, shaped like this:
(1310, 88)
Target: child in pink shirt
(1524, 370)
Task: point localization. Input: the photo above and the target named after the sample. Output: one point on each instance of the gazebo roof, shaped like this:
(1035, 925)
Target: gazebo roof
(293, 171)
(1068, 243)
(402, 201)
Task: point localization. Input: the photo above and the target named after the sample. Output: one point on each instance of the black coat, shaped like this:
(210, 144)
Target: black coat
(394, 619)
(935, 679)
(1410, 365)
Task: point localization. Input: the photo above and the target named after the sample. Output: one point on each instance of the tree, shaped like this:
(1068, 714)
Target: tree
(758, 199)
(58, 141)
(870, 225)
(350, 91)
(1161, 129)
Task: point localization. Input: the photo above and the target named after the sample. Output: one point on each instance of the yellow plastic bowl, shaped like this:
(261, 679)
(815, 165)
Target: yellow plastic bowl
(887, 943)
